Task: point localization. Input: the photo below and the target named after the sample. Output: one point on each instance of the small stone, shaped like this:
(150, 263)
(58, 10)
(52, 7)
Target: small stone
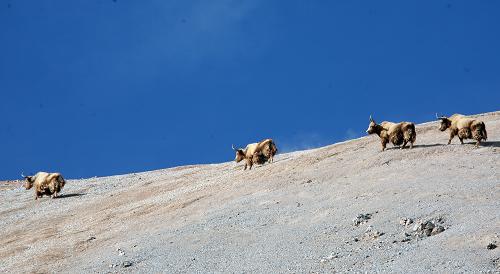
(377, 234)
(361, 218)
(438, 229)
(427, 232)
(127, 264)
(429, 225)
(491, 246)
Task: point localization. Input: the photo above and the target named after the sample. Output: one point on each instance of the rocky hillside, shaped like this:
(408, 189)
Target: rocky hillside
(344, 207)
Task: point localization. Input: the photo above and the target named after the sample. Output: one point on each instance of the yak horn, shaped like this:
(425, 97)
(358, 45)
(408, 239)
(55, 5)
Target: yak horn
(22, 175)
(232, 146)
(371, 119)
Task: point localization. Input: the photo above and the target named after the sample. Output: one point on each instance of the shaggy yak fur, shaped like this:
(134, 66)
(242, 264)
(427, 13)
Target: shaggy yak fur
(396, 133)
(257, 153)
(49, 184)
(463, 127)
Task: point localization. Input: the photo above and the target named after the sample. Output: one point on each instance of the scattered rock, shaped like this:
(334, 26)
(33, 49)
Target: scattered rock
(361, 218)
(120, 252)
(127, 264)
(491, 246)
(428, 228)
(90, 239)
(372, 234)
(496, 262)
(406, 221)
(329, 258)
(437, 230)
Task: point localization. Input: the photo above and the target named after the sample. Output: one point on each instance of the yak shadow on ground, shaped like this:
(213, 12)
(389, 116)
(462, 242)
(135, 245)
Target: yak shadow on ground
(491, 144)
(416, 146)
(484, 144)
(70, 195)
(429, 145)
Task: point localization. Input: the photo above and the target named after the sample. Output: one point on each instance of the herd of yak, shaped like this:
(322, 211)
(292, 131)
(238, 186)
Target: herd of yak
(399, 134)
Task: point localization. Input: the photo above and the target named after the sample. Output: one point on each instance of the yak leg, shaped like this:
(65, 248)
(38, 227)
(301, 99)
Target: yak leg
(52, 189)
(404, 144)
(249, 163)
(452, 135)
(37, 195)
(411, 145)
(461, 140)
(478, 142)
(54, 195)
(384, 143)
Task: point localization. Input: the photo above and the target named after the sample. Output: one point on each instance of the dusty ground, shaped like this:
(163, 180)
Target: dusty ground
(295, 215)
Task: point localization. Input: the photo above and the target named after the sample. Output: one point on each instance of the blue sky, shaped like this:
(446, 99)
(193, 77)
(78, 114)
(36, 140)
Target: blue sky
(93, 88)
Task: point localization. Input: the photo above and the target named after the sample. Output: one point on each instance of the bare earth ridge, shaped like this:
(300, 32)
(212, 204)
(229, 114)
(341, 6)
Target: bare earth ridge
(344, 207)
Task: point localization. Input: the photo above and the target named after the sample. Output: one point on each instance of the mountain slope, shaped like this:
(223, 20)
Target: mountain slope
(295, 215)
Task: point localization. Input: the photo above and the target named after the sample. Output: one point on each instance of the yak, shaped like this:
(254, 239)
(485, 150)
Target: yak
(464, 127)
(396, 133)
(256, 153)
(49, 184)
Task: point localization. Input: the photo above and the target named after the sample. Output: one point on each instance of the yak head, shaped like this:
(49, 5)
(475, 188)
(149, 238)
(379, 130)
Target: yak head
(444, 122)
(61, 180)
(28, 181)
(372, 127)
(240, 154)
(274, 149)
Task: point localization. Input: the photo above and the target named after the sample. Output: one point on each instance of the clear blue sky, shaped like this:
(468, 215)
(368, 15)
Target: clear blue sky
(95, 87)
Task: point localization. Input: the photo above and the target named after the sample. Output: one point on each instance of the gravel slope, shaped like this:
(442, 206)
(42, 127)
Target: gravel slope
(295, 215)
